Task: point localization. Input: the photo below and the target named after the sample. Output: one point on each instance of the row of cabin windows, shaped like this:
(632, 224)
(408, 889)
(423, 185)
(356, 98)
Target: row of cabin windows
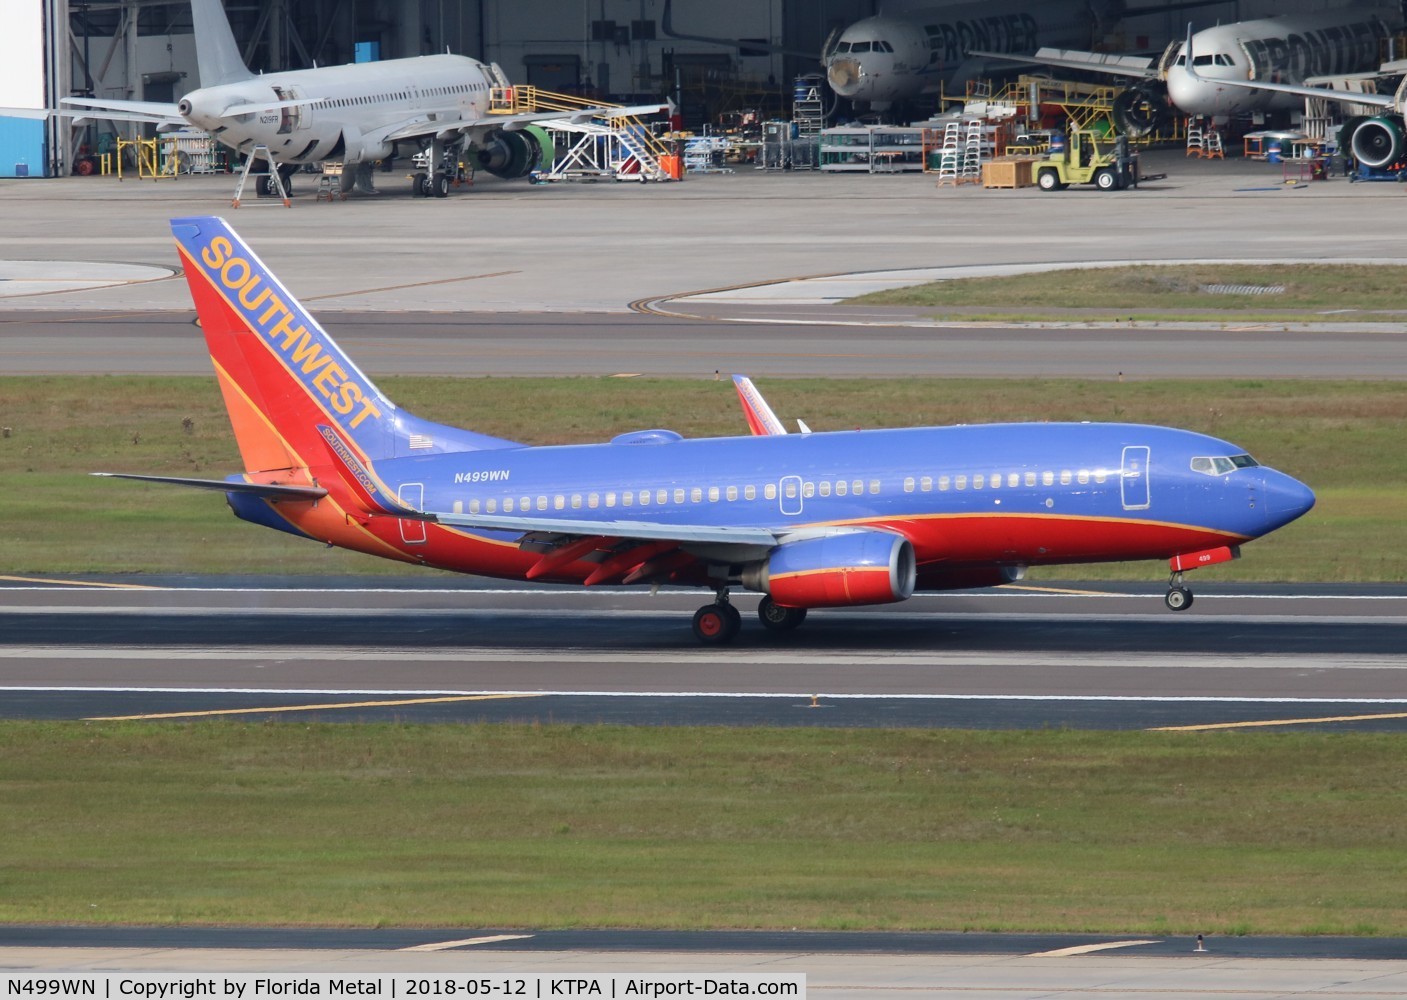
(790, 489)
(644, 498)
(995, 481)
(347, 102)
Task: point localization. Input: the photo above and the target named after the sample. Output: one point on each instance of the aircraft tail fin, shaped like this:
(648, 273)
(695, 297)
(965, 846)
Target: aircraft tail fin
(216, 53)
(282, 376)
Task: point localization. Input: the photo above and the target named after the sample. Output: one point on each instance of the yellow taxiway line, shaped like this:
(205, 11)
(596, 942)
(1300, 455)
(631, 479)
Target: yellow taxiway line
(1061, 590)
(79, 583)
(306, 708)
(1278, 722)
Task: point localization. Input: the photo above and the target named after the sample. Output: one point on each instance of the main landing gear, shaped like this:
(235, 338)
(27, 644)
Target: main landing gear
(1179, 598)
(719, 622)
(779, 618)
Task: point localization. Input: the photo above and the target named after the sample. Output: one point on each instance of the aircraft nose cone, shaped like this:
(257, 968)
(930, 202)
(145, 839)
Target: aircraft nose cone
(1184, 92)
(1285, 498)
(844, 76)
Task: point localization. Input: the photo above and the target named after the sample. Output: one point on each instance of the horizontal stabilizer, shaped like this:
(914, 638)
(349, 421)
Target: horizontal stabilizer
(235, 110)
(269, 491)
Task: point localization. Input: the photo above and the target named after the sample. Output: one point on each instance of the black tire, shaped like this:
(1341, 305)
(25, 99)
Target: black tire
(778, 618)
(1178, 599)
(1048, 180)
(1105, 179)
(716, 624)
(440, 185)
(419, 185)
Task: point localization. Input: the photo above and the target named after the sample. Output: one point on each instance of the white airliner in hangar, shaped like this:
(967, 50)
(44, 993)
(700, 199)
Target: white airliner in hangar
(1377, 140)
(354, 113)
(1277, 50)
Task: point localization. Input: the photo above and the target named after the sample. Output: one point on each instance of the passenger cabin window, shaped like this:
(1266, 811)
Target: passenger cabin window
(732, 493)
(770, 491)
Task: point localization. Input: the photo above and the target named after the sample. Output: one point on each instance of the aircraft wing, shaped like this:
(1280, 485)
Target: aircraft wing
(644, 531)
(1327, 93)
(667, 29)
(1092, 62)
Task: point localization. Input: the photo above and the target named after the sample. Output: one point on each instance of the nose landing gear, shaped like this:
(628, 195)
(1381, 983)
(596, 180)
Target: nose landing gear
(1178, 598)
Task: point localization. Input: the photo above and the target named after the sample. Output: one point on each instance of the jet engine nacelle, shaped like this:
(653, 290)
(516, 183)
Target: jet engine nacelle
(840, 570)
(514, 154)
(1378, 142)
(1139, 110)
(353, 147)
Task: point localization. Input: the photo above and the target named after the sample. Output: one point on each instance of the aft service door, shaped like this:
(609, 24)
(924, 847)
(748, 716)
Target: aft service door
(1134, 481)
(412, 495)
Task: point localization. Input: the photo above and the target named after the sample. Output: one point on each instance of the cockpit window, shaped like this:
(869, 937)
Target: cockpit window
(883, 47)
(842, 46)
(859, 46)
(1220, 465)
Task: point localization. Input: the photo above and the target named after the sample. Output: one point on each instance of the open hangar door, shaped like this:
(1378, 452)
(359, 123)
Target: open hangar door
(33, 70)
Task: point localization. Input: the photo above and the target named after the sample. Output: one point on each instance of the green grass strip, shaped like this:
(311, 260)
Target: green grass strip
(1343, 438)
(604, 826)
(1311, 292)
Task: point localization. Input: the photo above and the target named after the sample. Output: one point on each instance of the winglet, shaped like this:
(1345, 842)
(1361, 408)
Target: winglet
(760, 418)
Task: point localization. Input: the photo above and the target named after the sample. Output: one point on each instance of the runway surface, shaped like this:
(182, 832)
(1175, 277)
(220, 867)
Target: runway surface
(1079, 656)
(878, 343)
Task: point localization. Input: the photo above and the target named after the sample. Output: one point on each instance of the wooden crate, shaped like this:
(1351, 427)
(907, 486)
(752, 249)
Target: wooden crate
(1007, 173)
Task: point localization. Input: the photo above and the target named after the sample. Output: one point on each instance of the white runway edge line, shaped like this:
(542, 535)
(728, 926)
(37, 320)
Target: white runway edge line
(1088, 949)
(451, 693)
(1187, 619)
(467, 942)
(712, 657)
(643, 591)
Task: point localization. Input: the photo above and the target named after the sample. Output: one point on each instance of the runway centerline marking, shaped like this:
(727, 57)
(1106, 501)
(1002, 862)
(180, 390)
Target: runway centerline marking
(446, 945)
(1261, 723)
(308, 708)
(1086, 949)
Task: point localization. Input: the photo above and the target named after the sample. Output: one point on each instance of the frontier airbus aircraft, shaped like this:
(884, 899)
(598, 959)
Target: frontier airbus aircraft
(811, 520)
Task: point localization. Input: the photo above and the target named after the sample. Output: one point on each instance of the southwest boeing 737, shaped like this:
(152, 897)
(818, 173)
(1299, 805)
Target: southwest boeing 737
(810, 520)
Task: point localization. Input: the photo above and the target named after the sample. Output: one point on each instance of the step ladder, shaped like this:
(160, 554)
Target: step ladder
(275, 181)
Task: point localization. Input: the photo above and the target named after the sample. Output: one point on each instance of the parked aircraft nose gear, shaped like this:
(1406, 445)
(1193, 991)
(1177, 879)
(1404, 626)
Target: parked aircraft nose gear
(1179, 598)
(717, 623)
(779, 618)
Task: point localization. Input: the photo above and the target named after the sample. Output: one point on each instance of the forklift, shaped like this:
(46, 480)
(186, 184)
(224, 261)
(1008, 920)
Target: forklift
(1082, 161)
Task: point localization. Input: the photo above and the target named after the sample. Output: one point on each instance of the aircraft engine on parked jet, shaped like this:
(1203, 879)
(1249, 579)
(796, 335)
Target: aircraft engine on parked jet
(1377, 142)
(515, 154)
(863, 566)
(1139, 110)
